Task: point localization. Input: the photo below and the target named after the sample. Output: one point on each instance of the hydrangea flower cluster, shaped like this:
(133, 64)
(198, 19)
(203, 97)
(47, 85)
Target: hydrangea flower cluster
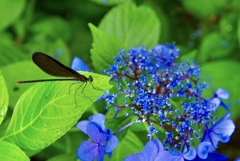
(167, 95)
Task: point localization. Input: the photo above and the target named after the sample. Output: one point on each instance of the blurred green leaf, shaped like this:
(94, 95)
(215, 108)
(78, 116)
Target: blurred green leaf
(64, 157)
(104, 48)
(4, 98)
(12, 72)
(238, 31)
(214, 46)
(10, 152)
(116, 124)
(66, 145)
(133, 26)
(22, 25)
(191, 56)
(12, 9)
(10, 54)
(51, 28)
(55, 48)
(47, 111)
(222, 76)
(130, 144)
(203, 9)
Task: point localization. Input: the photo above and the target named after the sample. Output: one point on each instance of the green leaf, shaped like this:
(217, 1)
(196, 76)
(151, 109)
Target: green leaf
(104, 48)
(191, 56)
(214, 46)
(12, 10)
(10, 54)
(238, 31)
(11, 74)
(222, 76)
(48, 110)
(10, 152)
(130, 144)
(133, 26)
(116, 124)
(67, 144)
(51, 28)
(4, 98)
(55, 48)
(204, 8)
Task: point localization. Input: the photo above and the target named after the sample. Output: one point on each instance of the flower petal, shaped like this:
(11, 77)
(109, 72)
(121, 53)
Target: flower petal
(79, 65)
(191, 154)
(204, 148)
(150, 151)
(158, 144)
(99, 119)
(221, 93)
(82, 125)
(96, 134)
(112, 144)
(87, 151)
(134, 157)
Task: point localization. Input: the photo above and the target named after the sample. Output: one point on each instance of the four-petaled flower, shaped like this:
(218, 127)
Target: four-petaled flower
(103, 141)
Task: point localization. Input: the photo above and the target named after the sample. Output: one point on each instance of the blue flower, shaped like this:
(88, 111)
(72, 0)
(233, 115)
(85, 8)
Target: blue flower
(153, 151)
(167, 94)
(103, 141)
(216, 99)
(220, 131)
(79, 65)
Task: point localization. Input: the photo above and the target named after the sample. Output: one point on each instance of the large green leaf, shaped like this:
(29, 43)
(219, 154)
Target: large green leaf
(48, 110)
(10, 11)
(10, 152)
(215, 46)
(10, 54)
(133, 26)
(4, 98)
(104, 48)
(11, 74)
(52, 27)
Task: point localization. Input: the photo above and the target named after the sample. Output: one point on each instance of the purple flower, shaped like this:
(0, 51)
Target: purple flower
(216, 99)
(221, 131)
(178, 156)
(79, 65)
(103, 141)
(153, 151)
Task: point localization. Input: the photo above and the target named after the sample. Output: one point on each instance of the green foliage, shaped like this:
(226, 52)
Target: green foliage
(41, 114)
(10, 152)
(227, 80)
(131, 24)
(12, 9)
(4, 98)
(203, 8)
(123, 27)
